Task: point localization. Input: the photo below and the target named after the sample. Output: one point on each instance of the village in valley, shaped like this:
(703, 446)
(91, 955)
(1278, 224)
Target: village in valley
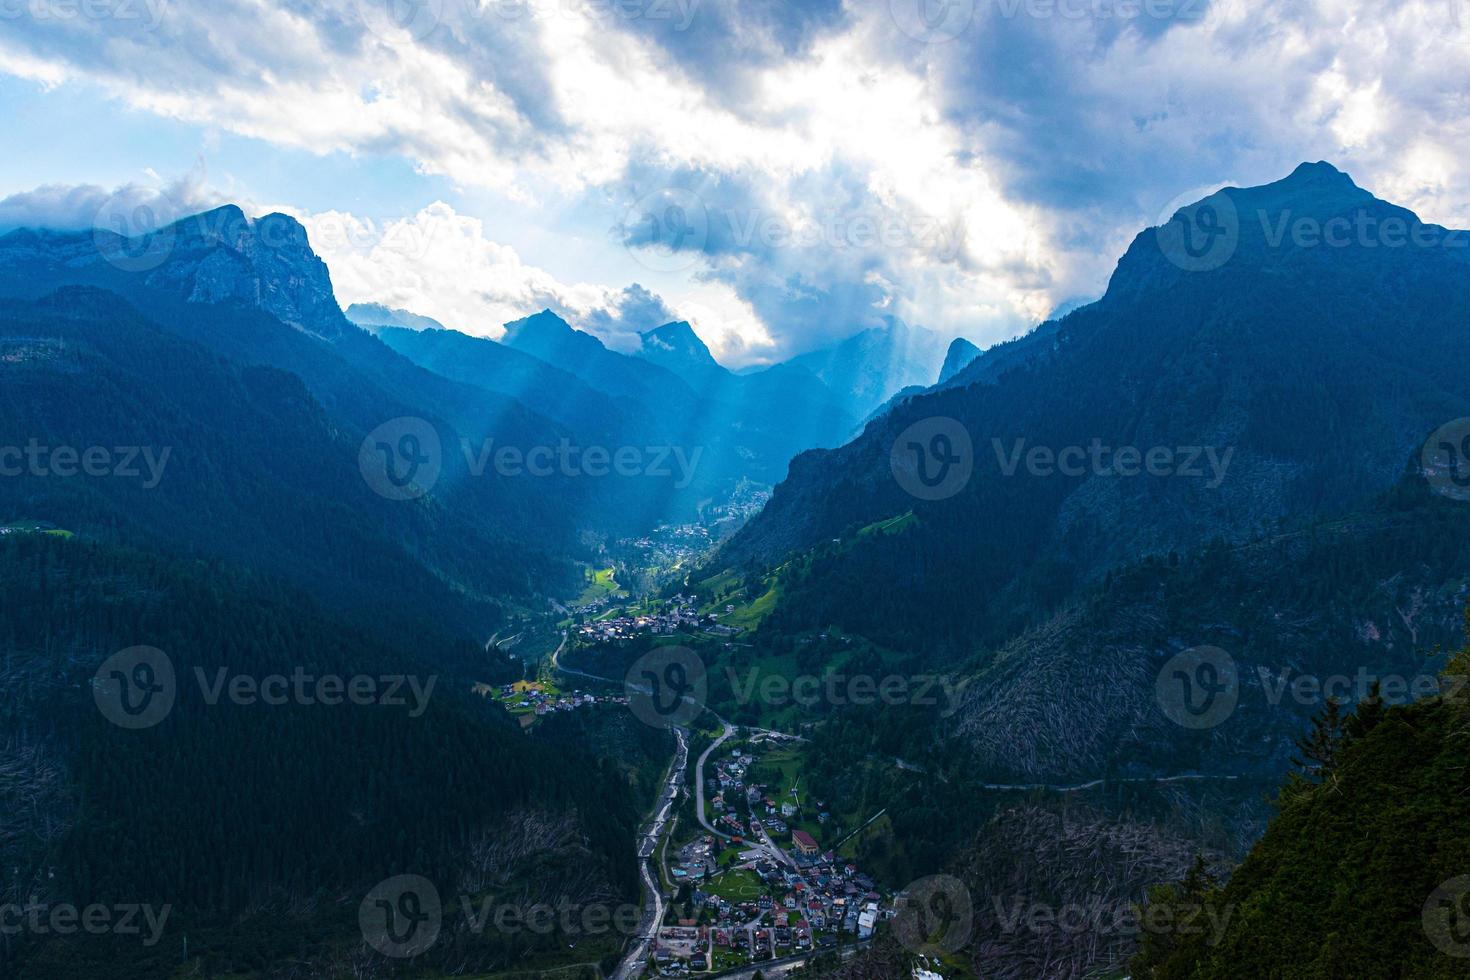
(753, 867)
(760, 880)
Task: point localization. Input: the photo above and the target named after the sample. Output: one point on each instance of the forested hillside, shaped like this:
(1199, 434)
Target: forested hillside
(1362, 871)
(262, 825)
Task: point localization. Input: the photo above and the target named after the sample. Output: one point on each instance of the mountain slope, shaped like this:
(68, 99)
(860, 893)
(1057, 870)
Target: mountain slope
(677, 347)
(281, 815)
(248, 465)
(961, 352)
(225, 283)
(867, 368)
(1310, 373)
(375, 316)
(495, 367)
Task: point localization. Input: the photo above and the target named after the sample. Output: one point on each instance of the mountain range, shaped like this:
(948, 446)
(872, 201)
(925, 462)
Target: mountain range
(1239, 447)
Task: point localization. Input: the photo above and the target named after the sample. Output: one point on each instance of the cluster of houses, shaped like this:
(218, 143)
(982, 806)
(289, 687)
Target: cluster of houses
(800, 909)
(522, 695)
(679, 614)
(671, 544)
(805, 898)
(768, 815)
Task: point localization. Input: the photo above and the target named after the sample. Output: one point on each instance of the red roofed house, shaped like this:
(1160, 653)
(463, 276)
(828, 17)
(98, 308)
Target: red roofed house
(804, 843)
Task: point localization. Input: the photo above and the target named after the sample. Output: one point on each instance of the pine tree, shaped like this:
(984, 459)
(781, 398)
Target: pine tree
(1319, 750)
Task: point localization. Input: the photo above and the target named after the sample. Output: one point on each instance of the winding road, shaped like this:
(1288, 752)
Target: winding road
(725, 736)
(653, 910)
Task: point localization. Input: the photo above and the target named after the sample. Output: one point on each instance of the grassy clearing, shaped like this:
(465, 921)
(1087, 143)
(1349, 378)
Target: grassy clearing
(736, 886)
(892, 526)
(601, 583)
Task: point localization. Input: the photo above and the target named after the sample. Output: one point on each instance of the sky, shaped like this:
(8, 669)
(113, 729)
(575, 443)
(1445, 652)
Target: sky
(781, 173)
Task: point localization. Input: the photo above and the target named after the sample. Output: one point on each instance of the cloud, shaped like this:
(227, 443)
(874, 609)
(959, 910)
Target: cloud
(631, 312)
(132, 208)
(441, 264)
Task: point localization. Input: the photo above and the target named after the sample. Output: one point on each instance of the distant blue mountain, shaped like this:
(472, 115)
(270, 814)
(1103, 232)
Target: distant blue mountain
(372, 317)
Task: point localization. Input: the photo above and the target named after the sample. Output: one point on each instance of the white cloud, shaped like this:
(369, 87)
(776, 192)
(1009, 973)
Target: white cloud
(441, 264)
(133, 208)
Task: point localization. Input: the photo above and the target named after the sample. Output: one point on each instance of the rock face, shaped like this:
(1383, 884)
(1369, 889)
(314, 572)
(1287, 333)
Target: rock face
(217, 257)
(961, 352)
(221, 256)
(677, 347)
